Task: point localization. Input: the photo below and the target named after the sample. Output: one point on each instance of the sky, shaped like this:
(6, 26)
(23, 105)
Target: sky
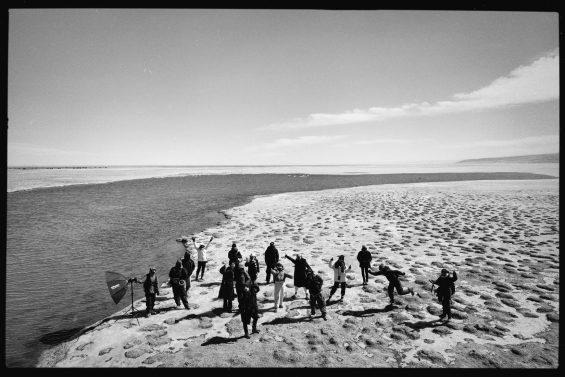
(279, 87)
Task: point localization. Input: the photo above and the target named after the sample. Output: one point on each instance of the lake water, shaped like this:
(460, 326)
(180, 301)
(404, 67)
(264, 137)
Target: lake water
(65, 228)
(30, 178)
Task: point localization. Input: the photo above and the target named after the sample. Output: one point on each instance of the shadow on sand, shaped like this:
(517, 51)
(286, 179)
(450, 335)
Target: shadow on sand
(287, 320)
(212, 284)
(424, 324)
(221, 340)
(368, 312)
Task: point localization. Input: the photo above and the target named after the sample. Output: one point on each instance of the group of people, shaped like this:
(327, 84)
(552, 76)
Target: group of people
(239, 280)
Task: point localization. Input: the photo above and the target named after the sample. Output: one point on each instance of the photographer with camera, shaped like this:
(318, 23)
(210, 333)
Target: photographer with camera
(178, 276)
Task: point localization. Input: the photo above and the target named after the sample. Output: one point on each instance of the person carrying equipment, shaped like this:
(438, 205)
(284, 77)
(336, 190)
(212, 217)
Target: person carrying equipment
(177, 280)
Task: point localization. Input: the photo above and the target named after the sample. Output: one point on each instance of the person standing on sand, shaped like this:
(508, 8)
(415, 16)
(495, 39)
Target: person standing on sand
(271, 258)
(178, 276)
(151, 288)
(339, 277)
(393, 282)
(242, 280)
(226, 288)
(300, 269)
(364, 257)
(252, 265)
(445, 290)
(279, 277)
(234, 255)
(202, 257)
(188, 265)
(248, 307)
(314, 284)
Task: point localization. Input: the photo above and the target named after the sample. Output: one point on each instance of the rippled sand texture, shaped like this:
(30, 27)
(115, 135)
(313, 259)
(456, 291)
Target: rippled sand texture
(502, 238)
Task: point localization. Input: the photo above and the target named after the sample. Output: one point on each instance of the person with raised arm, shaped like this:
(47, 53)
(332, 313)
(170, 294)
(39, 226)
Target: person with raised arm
(339, 277)
(300, 269)
(202, 257)
(393, 282)
(279, 277)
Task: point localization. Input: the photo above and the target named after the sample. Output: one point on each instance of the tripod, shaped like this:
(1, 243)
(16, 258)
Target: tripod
(130, 281)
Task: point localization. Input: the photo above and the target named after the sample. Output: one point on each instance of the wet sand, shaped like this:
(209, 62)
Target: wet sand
(502, 238)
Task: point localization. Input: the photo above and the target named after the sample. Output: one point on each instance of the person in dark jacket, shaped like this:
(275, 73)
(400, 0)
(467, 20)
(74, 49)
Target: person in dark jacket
(178, 276)
(300, 269)
(364, 257)
(234, 255)
(226, 288)
(242, 279)
(252, 265)
(248, 307)
(444, 291)
(393, 282)
(313, 283)
(271, 259)
(188, 265)
(151, 288)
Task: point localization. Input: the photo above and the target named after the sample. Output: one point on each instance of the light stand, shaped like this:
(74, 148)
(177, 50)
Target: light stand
(130, 281)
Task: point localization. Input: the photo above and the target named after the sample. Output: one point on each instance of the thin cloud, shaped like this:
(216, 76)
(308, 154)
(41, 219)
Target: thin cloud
(537, 82)
(38, 150)
(301, 140)
(549, 141)
(389, 141)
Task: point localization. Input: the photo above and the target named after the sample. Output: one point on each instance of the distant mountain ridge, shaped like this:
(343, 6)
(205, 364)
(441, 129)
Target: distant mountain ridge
(528, 159)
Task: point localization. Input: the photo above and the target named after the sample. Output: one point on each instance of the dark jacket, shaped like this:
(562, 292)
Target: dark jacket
(390, 275)
(300, 267)
(226, 288)
(252, 267)
(242, 279)
(188, 263)
(248, 305)
(364, 257)
(271, 255)
(445, 285)
(234, 255)
(151, 285)
(177, 273)
(314, 284)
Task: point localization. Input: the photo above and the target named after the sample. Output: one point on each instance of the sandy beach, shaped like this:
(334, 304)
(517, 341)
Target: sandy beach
(502, 238)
